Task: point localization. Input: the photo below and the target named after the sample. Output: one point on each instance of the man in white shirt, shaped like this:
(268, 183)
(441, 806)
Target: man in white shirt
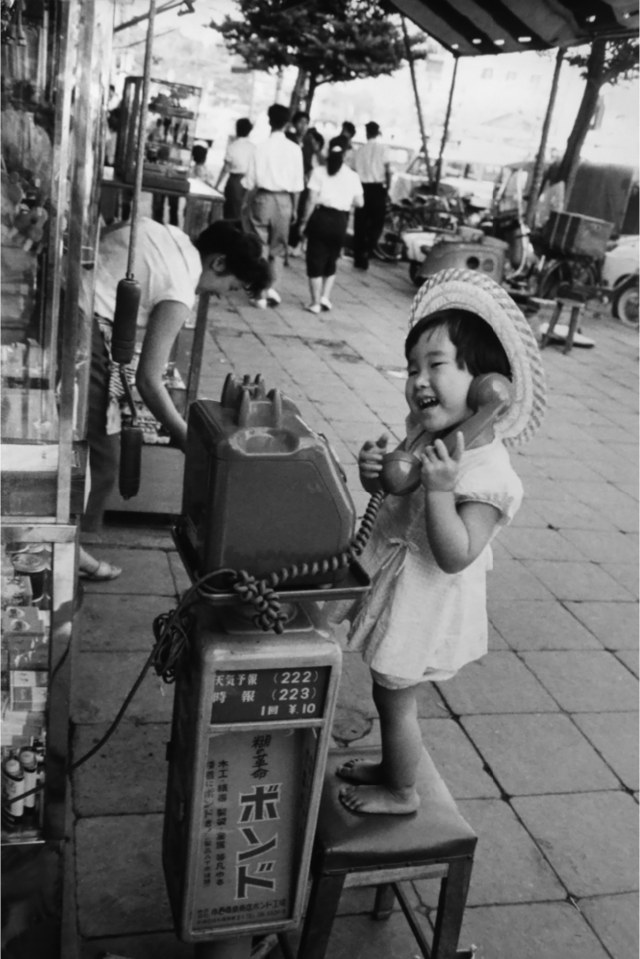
(373, 167)
(274, 179)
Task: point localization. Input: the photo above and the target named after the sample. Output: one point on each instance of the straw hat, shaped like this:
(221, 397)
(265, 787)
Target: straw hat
(474, 291)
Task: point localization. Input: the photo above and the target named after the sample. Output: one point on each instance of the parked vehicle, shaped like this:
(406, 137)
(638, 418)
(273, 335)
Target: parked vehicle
(624, 303)
(605, 191)
(473, 182)
(621, 261)
(441, 214)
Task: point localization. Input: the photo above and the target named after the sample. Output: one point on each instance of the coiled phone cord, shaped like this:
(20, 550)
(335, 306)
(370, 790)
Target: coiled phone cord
(172, 629)
(261, 593)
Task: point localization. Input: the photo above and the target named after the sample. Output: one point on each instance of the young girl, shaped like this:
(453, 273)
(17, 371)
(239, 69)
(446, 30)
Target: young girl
(425, 615)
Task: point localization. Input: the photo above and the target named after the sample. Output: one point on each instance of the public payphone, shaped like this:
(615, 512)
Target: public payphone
(253, 711)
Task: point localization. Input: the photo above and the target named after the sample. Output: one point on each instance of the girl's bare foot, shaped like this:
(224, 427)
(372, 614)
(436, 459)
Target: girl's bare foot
(360, 772)
(380, 800)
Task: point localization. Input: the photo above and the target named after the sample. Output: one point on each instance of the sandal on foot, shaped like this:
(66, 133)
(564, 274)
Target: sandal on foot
(325, 304)
(314, 308)
(102, 572)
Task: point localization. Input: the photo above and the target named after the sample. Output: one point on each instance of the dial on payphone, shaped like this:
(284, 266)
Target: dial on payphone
(262, 490)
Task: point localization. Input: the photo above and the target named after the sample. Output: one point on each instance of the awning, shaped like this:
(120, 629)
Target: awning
(472, 27)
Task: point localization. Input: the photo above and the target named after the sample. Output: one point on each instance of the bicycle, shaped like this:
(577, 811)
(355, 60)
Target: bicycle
(578, 271)
(422, 213)
(553, 276)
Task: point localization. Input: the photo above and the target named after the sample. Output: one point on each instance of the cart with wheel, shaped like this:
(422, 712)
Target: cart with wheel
(573, 248)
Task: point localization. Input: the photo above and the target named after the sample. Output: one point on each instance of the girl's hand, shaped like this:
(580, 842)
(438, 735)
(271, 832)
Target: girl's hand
(439, 470)
(370, 457)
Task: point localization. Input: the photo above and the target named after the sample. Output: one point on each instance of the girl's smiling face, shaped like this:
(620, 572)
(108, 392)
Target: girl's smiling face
(437, 388)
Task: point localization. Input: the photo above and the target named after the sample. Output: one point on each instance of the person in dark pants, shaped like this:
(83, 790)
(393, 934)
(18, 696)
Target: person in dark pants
(372, 166)
(236, 164)
(311, 157)
(333, 190)
(300, 133)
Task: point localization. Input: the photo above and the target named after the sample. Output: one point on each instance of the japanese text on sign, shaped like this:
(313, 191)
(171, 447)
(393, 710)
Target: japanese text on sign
(269, 695)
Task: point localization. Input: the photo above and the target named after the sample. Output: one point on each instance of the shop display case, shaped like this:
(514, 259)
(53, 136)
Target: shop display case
(37, 571)
(168, 169)
(170, 132)
(55, 63)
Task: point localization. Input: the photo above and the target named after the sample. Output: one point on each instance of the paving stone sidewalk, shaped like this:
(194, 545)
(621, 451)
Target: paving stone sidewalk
(537, 742)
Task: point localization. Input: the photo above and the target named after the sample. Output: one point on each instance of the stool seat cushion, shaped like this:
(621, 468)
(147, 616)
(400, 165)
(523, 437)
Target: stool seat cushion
(348, 841)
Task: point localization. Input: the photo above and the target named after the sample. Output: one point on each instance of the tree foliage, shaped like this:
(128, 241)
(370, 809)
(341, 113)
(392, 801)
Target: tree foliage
(616, 60)
(607, 62)
(327, 40)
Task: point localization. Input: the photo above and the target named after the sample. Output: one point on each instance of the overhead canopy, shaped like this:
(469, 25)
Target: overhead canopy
(472, 27)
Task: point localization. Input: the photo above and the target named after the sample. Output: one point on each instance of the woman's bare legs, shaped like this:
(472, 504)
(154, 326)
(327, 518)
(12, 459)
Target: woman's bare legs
(388, 786)
(327, 286)
(95, 569)
(315, 286)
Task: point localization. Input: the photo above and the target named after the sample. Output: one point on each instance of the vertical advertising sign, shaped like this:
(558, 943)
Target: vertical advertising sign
(251, 730)
(246, 852)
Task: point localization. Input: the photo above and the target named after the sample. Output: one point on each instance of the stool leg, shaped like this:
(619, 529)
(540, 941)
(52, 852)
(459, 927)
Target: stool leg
(453, 898)
(410, 916)
(321, 911)
(285, 948)
(552, 324)
(573, 326)
(385, 899)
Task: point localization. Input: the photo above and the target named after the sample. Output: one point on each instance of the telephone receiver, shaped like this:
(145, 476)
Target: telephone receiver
(490, 396)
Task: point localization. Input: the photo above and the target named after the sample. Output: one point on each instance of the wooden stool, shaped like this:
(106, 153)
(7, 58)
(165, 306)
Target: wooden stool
(382, 850)
(575, 298)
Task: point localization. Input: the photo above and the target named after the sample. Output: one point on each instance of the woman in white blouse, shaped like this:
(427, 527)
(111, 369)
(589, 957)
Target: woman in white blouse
(333, 190)
(236, 164)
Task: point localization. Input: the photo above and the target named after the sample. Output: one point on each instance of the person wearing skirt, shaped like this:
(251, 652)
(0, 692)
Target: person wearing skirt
(333, 190)
(236, 164)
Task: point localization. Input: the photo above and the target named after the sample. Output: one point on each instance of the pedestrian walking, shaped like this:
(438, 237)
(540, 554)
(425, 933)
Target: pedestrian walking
(301, 134)
(311, 159)
(425, 614)
(299, 127)
(235, 166)
(372, 165)
(347, 133)
(158, 198)
(333, 190)
(274, 180)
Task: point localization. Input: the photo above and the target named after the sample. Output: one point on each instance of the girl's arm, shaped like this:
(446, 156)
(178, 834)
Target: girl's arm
(310, 206)
(165, 322)
(457, 534)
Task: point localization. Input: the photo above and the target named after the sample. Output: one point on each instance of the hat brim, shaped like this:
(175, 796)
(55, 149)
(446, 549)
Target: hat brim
(479, 294)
